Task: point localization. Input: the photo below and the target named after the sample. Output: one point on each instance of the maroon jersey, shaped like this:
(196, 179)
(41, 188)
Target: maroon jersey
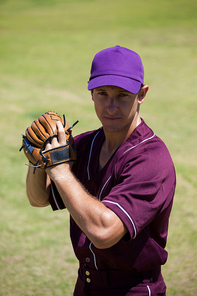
(138, 184)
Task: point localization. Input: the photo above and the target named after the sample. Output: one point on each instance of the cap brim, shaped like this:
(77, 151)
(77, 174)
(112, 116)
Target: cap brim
(128, 84)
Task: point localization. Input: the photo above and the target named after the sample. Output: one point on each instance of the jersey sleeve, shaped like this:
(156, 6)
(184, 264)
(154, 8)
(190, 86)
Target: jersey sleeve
(144, 191)
(55, 199)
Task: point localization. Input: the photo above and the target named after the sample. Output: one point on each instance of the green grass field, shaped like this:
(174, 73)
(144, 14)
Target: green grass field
(46, 49)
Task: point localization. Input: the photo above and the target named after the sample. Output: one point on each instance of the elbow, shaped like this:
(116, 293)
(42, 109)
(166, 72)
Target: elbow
(35, 201)
(103, 241)
(101, 234)
(100, 243)
(110, 233)
(104, 238)
(36, 204)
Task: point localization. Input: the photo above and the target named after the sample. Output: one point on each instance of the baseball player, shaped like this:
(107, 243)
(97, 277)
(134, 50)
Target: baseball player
(118, 188)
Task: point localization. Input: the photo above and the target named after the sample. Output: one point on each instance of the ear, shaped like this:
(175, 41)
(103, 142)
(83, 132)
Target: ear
(142, 94)
(92, 94)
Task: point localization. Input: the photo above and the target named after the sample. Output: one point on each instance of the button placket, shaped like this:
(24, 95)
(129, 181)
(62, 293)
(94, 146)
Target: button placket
(87, 273)
(87, 259)
(88, 280)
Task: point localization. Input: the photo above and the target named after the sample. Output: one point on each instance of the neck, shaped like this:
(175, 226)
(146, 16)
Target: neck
(114, 139)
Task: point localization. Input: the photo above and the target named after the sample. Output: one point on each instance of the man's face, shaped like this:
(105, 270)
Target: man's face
(116, 108)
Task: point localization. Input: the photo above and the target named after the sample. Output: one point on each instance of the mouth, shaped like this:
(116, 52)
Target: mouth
(112, 118)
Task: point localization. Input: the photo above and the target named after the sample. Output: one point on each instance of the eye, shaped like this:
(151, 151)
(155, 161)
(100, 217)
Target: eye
(102, 93)
(123, 95)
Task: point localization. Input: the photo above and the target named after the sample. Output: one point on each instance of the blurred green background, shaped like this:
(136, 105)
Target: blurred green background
(46, 50)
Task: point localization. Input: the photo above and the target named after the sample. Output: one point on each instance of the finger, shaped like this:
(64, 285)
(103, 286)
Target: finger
(61, 133)
(48, 146)
(52, 143)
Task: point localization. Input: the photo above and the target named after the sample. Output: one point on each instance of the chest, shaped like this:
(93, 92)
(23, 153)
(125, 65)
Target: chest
(96, 171)
(104, 157)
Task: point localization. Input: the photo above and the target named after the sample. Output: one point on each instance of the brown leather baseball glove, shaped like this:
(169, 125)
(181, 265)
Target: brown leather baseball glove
(36, 136)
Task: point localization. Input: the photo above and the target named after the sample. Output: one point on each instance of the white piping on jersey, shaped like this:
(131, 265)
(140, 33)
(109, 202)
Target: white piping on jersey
(88, 172)
(90, 247)
(90, 155)
(139, 143)
(149, 291)
(115, 203)
(134, 228)
(103, 187)
(54, 197)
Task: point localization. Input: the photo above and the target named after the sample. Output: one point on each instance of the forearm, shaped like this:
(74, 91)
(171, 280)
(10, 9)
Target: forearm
(37, 187)
(99, 223)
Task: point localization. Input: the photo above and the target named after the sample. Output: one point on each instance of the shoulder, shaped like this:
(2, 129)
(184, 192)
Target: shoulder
(144, 140)
(144, 153)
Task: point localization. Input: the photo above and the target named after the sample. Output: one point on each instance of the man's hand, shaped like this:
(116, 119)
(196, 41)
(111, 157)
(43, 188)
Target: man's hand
(55, 172)
(60, 140)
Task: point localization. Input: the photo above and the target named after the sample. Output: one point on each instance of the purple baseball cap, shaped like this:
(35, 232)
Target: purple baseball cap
(117, 66)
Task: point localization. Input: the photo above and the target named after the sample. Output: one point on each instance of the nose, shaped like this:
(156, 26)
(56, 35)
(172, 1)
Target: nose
(111, 105)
